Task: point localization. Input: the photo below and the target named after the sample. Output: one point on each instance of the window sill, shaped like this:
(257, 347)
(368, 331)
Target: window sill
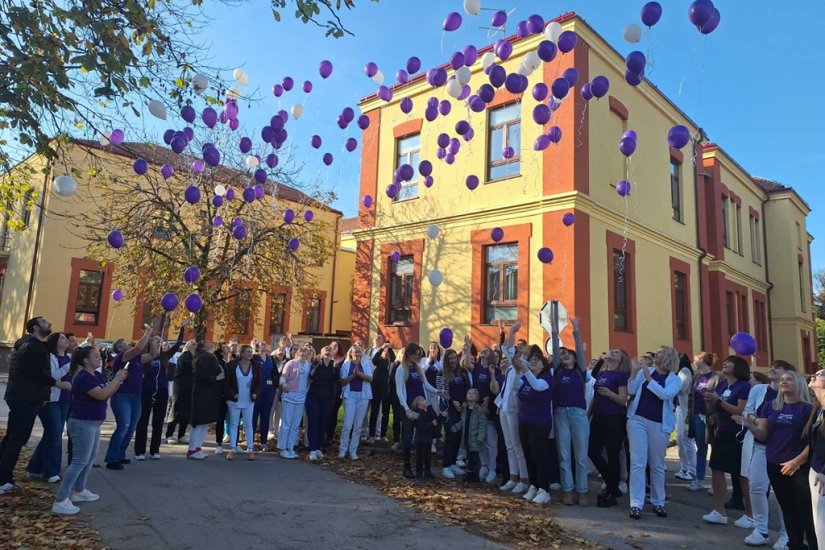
(679, 221)
(397, 325)
(505, 178)
(408, 199)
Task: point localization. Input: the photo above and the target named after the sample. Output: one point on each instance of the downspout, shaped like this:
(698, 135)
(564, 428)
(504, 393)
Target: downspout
(334, 262)
(767, 280)
(36, 254)
(703, 253)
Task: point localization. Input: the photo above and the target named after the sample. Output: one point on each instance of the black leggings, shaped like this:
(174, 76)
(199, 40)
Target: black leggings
(154, 404)
(422, 457)
(380, 402)
(794, 496)
(607, 432)
(536, 445)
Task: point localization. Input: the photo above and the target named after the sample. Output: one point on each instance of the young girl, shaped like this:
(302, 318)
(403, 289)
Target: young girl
(243, 385)
(425, 420)
(294, 387)
(356, 375)
(473, 428)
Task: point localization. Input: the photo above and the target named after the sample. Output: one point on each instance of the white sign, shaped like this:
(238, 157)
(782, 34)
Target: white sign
(548, 346)
(545, 316)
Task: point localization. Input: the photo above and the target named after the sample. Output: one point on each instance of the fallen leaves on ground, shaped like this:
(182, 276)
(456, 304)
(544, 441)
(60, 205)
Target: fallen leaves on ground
(477, 507)
(26, 519)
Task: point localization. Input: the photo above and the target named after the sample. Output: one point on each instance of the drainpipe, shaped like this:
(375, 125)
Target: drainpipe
(768, 280)
(38, 237)
(703, 252)
(334, 262)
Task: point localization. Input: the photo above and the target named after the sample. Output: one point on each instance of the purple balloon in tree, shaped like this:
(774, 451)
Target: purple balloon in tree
(177, 145)
(209, 117)
(651, 13)
(192, 194)
(117, 136)
(230, 194)
(309, 215)
(187, 113)
(289, 215)
(167, 171)
(236, 221)
(115, 238)
(294, 243)
(568, 219)
(141, 167)
(217, 201)
(545, 255)
(259, 191)
(117, 295)
(249, 194)
(623, 188)
(217, 221)
(169, 302)
(192, 274)
(193, 303)
(325, 69)
(239, 232)
(452, 22)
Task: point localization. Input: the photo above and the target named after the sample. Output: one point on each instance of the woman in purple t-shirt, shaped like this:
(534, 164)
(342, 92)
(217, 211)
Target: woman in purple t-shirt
(705, 378)
(782, 428)
(89, 394)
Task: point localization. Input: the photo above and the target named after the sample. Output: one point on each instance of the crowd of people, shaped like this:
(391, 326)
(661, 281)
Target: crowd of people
(507, 415)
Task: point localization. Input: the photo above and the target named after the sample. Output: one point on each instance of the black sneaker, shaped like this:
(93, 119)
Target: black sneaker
(660, 511)
(635, 513)
(607, 501)
(114, 466)
(419, 477)
(734, 505)
(428, 475)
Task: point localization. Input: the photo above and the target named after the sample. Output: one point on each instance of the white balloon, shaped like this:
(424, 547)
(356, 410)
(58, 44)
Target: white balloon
(240, 77)
(252, 162)
(531, 60)
(524, 70)
(157, 109)
(632, 33)
(64, 186)
(435, 277)
(552, 31)
(200, 83)
(488, 59)
(463, 75)
(433, 231)
(233, 93)
(472, 7)
(105, 139)
(220, 190)
(454, 88)
(378, 77)
(297, 111)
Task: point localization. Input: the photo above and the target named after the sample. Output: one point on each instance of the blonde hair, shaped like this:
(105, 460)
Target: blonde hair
(670, 361)
(803, 394)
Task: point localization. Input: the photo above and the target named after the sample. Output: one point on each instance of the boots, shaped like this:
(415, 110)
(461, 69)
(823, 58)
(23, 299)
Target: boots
(408, 471)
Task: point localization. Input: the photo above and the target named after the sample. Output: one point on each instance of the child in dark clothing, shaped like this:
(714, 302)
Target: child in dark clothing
(425, 429)
(474, 425)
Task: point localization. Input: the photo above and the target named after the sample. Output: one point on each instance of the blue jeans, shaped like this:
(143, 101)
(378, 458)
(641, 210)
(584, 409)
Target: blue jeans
(126, 408)
(572, 429)
(85, 436)
(701, 446)
(318, 411)
(47, 455)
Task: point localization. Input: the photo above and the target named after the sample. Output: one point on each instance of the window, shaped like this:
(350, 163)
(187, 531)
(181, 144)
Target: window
(239, 317)
(277, 313)
(89, 287)
(730, 309)
(313, 315)
(739, 229)
(680, 305)
(500, 282)
(621, 274)
(760, 325)
(676, 189)
(798, 235)
(743, 312)
(725, 222)
(756, 241)
(409, 152)
(505, 131)
(402, 274)
(801, 273)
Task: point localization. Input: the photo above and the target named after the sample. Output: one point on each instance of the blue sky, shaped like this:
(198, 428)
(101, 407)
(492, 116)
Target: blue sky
(754, 84)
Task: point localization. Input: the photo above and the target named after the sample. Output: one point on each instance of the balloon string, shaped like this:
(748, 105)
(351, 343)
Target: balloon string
(651, 61)
(689, 64)
(579, 140)
(624, 240)
(629, 165)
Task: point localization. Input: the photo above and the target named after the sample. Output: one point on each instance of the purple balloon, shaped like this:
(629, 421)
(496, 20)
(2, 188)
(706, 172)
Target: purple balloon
(560, 88)
(465, 92)
(371, 69)
(571, 75)
(711, 25)
(245, 145)
(469, 135)
(503, 49)
(267, 134)
(636, 61)
(189, 133)
(363, 122)
(192, 194)
(294, 243)
(567, 41)
(439, 77)
(230, 108)
(540, 91)
(230, 194)
(385, 93)
(192, 274)
(425, 168)
(521, 29)
(497, 234)
(277, 90)
(406, 172)
(452, 22)
(327, 158)
(545, 255)
(239, 232)
(260, 175)
(457, 60)
(743, 344)
(471, 182)
(587, 93)
(395, 256)
(392, 190)
(651, 13)
(307, 87)
(568, 219)
(700, 12)
(367, 201)
(193, 303)
(178, 144)
(508, 152)
(497, 75)
(443, 140)
(499, 19)
(309, 215)
(428, 182)
(413, 65)
(259, 191)
(631, 134)
(234, 124)
(117, 295)
(470, 55)
(445, 337)
(167, 136)
(115, 238)
(402, 76)
(217, 201)
(450, 158)
(546, 51)
(272, 160)
(217, 221)
(325, 69)
(632, 78)
(348, 113)
(289, 215)
(141, 167)
(542, 114)
(117, 136)
(535, 24)
(599, 86)
(431, 113)
(440, 153)
(462, 127)
(444, 107)
(513, 83)
(249, 194)
(315, 141)
(169, 301)
(288, 83)
(476, 104)
(623, 188)
(486, 93)
(351, 144)
(554, 133)
(167, 171)
(455, 145)
(342, 124)
(542, 142)
(627, 146)
(187, 113)
(236, 221)
(678, 136)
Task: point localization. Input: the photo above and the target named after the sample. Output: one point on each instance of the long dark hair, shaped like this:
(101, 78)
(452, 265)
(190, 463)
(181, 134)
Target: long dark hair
(51, 342)
(535, 351)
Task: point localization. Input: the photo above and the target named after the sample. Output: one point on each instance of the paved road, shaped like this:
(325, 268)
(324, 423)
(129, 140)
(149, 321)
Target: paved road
(178, 504)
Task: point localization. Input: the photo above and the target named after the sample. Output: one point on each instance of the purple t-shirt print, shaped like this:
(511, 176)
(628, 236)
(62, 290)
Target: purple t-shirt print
(702, 382)
(738, 390)
(786, 426)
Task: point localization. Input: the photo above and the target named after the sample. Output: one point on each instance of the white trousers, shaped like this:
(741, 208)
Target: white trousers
(818, 505)
(515, 454)
(490, 453)
(196, 436)
(687, 447)
(275, 420)
(758, 484)
(291, 414)
(355, 409)
(235, 414)
(648, 445)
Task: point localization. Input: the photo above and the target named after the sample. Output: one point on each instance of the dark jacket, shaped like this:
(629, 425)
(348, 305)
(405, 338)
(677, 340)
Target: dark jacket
(182, 382)
(231, 380)
(381, 373)
(164, 356)
(425, 432)
(206, 391)
(323, 382)
(30, 371)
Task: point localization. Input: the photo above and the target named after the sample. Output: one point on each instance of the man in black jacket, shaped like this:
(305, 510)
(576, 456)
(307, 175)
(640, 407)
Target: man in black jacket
(28, 388)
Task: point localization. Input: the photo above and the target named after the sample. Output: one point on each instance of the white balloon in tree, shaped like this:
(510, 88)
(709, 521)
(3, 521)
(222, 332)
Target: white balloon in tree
(240, 77)
(200, 83)
(105, 138)
(233, 93)
(252, 161)
(157, 109)
(220, 190)
(64, 185)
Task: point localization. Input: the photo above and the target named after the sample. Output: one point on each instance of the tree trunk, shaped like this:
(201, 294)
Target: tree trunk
(201, 322)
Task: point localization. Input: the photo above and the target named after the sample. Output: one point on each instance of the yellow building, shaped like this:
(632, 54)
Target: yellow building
(46, 271)
(697, 252)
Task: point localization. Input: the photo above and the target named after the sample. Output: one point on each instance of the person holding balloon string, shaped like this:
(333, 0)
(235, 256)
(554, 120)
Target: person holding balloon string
(126, 402)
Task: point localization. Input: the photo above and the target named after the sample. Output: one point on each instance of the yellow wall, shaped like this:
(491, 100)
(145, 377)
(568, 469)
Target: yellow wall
(342, 305)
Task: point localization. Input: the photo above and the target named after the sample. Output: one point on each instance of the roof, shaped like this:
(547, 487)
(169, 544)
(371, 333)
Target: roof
(348, 225)
(772, 187)
(158, 155)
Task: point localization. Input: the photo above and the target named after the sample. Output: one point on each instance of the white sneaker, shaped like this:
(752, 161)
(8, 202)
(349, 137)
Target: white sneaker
(433, 448)
(197, 456)
(555, 486)
(745, 522)
(531, 493)
(457, 470)
(684, 475)
(482, 472)
(353, 456)
(543, 497)
(294, 454)
(171, 440)
(395, 446)
(696, 485)
(155, 456)
(460, 463)
(509, 486)
(84, 496)
(65, 508)
(219, 450)
(140, 457)
(319, 454)
(53, 479)
(710, 491)
(520, 488)
(781, 543)
(447, 473)
(185, 439)
(756, 539)
(491, 478)
(286, 454)
(313, 456)
(7, 488)
(715, 517)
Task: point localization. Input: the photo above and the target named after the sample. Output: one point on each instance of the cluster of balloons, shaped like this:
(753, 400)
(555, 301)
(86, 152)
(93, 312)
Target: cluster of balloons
(704, 15)
(627, 145)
